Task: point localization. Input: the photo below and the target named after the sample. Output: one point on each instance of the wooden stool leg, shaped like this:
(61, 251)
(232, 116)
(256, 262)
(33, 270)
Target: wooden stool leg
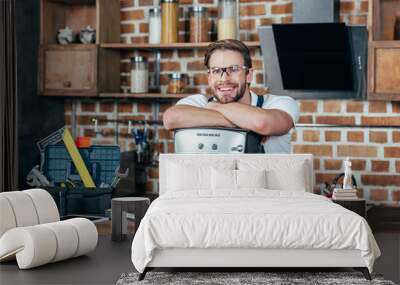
(116, 221)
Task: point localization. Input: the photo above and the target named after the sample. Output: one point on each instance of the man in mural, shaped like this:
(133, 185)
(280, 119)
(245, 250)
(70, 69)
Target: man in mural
(232, 103)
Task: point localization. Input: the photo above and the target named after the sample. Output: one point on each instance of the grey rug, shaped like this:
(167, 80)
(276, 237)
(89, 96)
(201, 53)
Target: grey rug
(243, 278)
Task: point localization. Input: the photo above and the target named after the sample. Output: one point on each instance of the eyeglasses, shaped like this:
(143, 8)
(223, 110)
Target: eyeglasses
(230, 70)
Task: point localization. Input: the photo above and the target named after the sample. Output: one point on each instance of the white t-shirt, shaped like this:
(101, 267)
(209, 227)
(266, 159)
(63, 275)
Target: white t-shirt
(274, 144)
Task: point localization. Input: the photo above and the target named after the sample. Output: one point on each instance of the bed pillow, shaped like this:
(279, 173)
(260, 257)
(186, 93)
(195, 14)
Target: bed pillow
(188, 176)
(281, 174)
(237, 179)
(293, 179)
(223, 179)
(251, 178)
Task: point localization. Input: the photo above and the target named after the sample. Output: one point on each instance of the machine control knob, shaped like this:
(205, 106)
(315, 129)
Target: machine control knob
(214, 146)
(200, 146)
(238, 148)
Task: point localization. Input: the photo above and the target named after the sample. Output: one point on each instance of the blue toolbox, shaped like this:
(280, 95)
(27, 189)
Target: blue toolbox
(81, 200)
(101, 161)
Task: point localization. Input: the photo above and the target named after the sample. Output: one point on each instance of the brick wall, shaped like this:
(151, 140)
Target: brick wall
(375, 151)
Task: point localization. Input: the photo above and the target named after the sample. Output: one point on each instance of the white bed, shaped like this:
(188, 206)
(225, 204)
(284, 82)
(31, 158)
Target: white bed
(247, 210)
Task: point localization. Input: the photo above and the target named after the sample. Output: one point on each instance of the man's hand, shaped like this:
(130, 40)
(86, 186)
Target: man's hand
(216, 106)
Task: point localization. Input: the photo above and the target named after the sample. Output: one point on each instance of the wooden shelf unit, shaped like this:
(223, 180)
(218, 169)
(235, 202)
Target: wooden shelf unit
(156, 48)
(101, 15)
(382, 16)
(78, 69)
(254, 44)
(98, 75)
(383, 51)
(143, 95)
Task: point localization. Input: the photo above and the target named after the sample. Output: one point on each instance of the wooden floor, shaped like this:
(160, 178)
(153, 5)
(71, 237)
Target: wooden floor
(102, 266)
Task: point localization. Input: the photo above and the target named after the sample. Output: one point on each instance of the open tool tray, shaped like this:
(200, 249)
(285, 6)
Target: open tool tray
(81, 201)
(101, 161)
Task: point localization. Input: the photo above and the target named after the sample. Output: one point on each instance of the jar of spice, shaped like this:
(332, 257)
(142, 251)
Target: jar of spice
(169, 21)
(177, 83)
(154, 25)
(139, 75)
(199, 26)
(227, 16)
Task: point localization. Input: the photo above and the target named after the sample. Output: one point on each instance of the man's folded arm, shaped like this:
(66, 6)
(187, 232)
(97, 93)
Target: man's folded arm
(262, 121)
(185, 116)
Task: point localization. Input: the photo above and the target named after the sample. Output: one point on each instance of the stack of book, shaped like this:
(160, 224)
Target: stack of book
(344, 194)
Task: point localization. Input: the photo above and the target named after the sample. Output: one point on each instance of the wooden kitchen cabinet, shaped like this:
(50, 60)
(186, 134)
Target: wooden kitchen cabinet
(68, 70)
(383, 51)
(78, 69)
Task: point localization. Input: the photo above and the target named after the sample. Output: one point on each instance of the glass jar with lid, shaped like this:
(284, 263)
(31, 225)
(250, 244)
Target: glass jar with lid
(169, 21)
(154, 25)
(139, 75)
(177, 83)
(199, 25)
(227, 19)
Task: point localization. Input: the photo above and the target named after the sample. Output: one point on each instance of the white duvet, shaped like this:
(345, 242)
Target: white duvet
(253, 218)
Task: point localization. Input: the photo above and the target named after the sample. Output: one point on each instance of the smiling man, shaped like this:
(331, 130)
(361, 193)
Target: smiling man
(232, 103)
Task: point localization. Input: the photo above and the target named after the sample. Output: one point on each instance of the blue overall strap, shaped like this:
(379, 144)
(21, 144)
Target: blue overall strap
(260, 101)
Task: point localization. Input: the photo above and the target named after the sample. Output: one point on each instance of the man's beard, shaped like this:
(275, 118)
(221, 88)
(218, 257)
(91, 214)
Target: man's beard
(238, 96)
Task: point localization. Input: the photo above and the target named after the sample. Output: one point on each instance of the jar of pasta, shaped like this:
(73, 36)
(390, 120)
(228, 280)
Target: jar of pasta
(199, 26)
(139, 75)
(227, 16)
(169, 21)
(177, 83)
(154, 25)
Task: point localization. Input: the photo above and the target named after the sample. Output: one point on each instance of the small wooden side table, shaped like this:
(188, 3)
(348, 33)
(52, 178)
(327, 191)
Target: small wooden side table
(355, 205)
(121, 209)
